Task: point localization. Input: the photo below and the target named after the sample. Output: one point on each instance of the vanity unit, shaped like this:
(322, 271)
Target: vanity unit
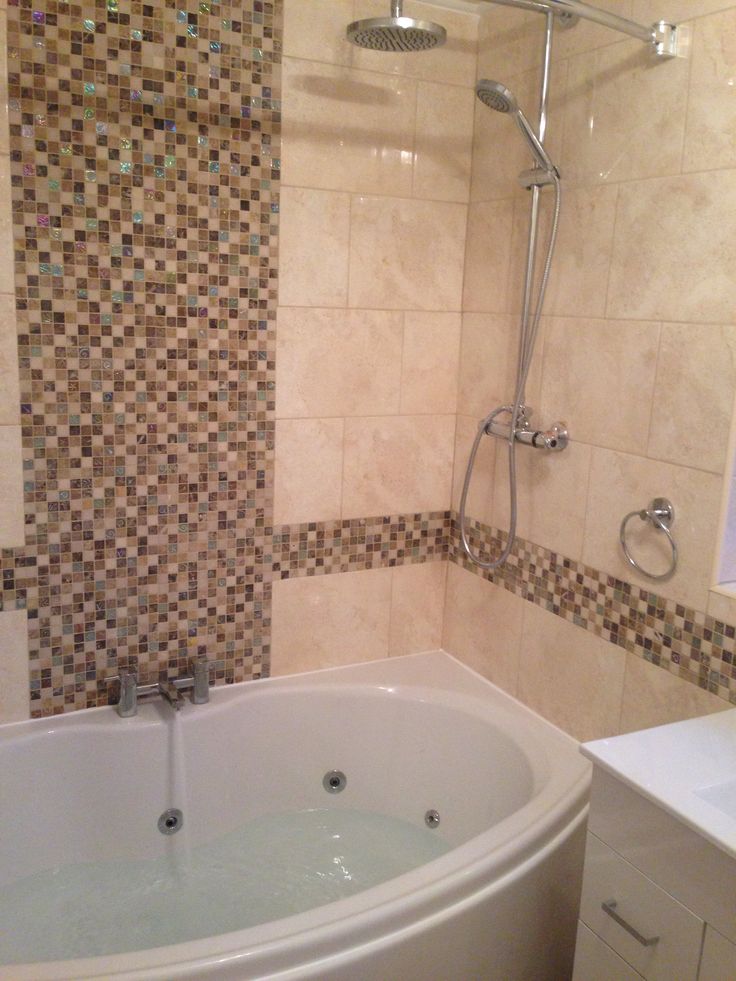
(659, 886)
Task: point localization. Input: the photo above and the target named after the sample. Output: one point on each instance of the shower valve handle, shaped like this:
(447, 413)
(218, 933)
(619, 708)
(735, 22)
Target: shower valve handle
(554, 439)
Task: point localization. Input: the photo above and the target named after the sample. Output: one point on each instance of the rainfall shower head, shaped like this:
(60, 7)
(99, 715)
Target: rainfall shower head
(396, 33)
(497, 96)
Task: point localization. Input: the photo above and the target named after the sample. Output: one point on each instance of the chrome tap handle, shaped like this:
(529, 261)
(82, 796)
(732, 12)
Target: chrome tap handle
(201, 676)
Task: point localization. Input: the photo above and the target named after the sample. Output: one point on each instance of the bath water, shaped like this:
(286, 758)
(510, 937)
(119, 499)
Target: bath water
(272, 867)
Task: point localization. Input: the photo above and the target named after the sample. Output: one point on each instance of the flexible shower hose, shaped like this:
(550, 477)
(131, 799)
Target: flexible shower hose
(529, 335)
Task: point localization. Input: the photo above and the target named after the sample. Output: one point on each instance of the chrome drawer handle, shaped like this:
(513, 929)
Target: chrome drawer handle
(610, 908)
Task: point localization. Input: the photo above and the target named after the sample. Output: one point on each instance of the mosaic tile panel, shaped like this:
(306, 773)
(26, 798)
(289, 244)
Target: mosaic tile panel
(361, 543)
(692, 645)
(145, 166)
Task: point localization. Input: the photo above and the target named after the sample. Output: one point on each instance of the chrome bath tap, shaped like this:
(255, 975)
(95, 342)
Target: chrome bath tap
(198, 682)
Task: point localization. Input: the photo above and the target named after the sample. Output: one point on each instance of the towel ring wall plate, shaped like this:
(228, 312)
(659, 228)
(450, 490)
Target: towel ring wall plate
(660, 514)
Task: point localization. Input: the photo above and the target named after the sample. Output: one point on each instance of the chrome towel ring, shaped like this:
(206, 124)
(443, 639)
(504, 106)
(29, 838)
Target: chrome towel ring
(660, 514)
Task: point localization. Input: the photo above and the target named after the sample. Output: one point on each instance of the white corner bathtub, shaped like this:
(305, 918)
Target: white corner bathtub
(271, 875)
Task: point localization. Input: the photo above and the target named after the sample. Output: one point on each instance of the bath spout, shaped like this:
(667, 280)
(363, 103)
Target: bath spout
(172, 692)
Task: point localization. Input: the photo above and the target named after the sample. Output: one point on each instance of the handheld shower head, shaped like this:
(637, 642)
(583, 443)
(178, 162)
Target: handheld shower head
(496, 96)
(396, 33)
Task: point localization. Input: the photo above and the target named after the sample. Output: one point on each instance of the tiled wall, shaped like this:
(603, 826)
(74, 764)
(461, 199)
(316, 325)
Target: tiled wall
(637, 352)
(144, 161)
(375, 190)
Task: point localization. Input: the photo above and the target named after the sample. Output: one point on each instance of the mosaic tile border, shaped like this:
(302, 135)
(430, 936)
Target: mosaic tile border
(325, 547)
(693, 645)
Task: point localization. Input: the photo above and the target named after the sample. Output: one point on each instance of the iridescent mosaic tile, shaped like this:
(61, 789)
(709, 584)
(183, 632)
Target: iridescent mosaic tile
(145, 168)
(361, 543)
(690, 644)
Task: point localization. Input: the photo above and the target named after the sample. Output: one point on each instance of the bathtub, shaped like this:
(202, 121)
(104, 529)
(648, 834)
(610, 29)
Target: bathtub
(462, 810)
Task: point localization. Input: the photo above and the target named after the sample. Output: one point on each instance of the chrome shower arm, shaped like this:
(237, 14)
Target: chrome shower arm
(661, 36)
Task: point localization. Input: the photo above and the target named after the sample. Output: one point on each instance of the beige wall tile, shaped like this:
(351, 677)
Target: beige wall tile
(406, 255)
(14, 681)
(655, 697)
(347, 130)
(395, 464)
(9, 380)
(313, 248)
(509, 42)
(585, 35)
(417, 605)
(337, 362)
(613, 94)
(582, 260)
(501, 507)
(675, 262)
(620, 483)
(485, 288)
(710, 135)
(315, 30)
(481, 491)
(558, 497)
(4, 134)
(693, 396)
(570, 676)
(326, 621)
(648, 11)
(454, 62)
(7, 256)
(444, 136)
(12, 525)
(308, 470)
(598, 376)
(484, 363)
(722, 605)
(430, 362)
(483, 626)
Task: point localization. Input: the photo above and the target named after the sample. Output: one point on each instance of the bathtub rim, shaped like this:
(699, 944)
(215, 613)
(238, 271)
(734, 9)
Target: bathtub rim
(475, 868)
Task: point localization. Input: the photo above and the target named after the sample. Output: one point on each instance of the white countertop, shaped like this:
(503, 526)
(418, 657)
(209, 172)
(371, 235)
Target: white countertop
(687, 768)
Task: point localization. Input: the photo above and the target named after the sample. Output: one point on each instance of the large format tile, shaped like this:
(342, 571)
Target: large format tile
(443, 145)
(308, 470)
(693, 395)
(487, 251)
(674, 251)
(582, 258)
(396, 464)
(620, 483)
(337, 362)
(613, 95)
(14, 681)
(347, 130)
(12, 520)
(417, 605)
(655, 697)
(314, 236)
(325, 621)
(429, 368)
(484, 363)
(9, 381)
(483, 626)
(598, 376)
(406, 254)
(570, 676)
(315, 30)
(710, 135)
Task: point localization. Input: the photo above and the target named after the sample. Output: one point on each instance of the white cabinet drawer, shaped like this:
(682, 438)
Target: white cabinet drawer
(646, 910)
(719, 958)
(595, 961)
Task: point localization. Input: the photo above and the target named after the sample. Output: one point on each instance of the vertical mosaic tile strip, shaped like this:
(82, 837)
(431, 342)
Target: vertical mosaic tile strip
(144, 159)
(695, 646)
(362, 543)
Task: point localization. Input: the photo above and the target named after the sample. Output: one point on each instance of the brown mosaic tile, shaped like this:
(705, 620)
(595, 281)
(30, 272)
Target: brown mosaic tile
(695, 646)
(361, 543)
(145, 167)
